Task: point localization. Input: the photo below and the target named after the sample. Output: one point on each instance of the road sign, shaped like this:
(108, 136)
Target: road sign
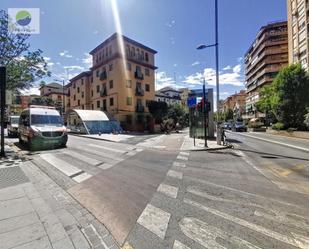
(191, 101)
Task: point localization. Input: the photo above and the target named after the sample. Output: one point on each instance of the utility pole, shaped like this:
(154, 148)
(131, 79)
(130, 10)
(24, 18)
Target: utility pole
(217, 70)
(204, 113)
(3, 88)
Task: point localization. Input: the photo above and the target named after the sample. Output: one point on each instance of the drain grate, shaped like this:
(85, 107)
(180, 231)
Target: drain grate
(12, 176)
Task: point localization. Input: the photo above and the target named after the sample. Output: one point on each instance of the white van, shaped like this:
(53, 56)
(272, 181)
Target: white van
(41, 127)
(12, 126)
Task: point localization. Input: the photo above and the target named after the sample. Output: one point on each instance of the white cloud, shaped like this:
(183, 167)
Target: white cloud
(58, 63)
(195, 63)
(227, 68)
(170, 24)
(95, 32)
(175, 65)
(66, 54)
(162, 80)
(87, 60)
(31, 91)
(234, 77)
(74, 67)
(240, 59)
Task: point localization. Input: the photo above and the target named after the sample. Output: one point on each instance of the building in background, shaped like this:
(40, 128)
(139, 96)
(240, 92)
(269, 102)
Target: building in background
(236, 103)
(184, 95)
(267, 55)
(298, 21)
(168, 95)
(120, 82)
(56, 93)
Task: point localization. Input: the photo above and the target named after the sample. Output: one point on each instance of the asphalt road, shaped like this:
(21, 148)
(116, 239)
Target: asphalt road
(151, 195)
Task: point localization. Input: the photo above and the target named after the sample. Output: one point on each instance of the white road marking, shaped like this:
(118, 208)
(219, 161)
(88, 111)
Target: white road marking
(179, 157)
(168, 190)
(206, 235)
(155, 220)
(82, 177)
(81, 157)
(175, 174)
(179, 164)
(106, 166)
(106, 148)
(276, 215)
(132, 153)
(61, 165)
(301, 240)
(139, 149)
(184, 153)
(240, 191)
(179, 245)
(159, 147)
(283, 238)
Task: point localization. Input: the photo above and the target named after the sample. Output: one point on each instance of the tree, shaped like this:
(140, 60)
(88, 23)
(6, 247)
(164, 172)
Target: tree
(177, 114)
(23, 66)
(306, 121)
(158, 110)
(228, 115)
(290, 96)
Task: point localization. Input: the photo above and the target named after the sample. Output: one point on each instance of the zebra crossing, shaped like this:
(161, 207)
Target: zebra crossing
(196, 232)
(80, 164)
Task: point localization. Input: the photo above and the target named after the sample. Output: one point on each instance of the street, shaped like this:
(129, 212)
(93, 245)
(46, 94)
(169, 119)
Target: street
(149, 194)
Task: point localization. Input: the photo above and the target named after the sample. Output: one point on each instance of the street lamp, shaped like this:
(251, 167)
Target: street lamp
(216, 45)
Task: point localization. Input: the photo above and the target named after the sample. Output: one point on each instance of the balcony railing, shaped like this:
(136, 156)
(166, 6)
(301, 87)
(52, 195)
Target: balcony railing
(103, 92)
(103, 75)
(139, 75)
(139, 108)
(139, 91)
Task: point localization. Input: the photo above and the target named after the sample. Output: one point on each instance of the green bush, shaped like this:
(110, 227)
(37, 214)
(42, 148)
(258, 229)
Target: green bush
(255, 125)
(291, 129)
(278, 126)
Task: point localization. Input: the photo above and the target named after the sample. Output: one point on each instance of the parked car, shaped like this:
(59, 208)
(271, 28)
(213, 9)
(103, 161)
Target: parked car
(12, 126)
(239, 126)
(41, 127)
(227, 126)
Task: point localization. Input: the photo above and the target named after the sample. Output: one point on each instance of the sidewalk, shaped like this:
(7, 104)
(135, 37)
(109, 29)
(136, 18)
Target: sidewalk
(188, 144)
(296, 143)
(107, 137)
(37, 213)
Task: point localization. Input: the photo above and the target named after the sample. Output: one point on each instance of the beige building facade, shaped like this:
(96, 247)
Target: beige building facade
(298, 14)
(120, 82)
(267, 55)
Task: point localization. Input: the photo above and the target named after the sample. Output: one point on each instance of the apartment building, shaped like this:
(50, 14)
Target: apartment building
(55, 92)
(298, 20)
(120, 82)
(267, 55)
(168, 95)
(235, 102)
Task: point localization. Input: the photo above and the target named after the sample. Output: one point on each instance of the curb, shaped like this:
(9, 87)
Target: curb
(94, 138)
(209, 149)
(275, 142)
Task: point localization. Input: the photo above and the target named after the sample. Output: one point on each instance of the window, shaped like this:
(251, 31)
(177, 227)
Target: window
(111, 84)
(129, 100)
(98, 73)
(82, 94)
(111, 101)
(129, 66)
(111, 67)
(91, 93)
(110, 50)
(92, 106)
(82, 81)
(129, 83)
(83, 107)
(74, 97)
(98, 88)
(147, 102)
(146, 57)
(98, 103)
(147, 87)
(78, 102)
(91, 79)
(77, 89)
(147, 71)
(104, 105)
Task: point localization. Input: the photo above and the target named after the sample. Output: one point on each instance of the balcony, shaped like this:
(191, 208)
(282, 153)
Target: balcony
(139, 108)
(103, 92)
(139, 75)
(103, 75)
(139, 91)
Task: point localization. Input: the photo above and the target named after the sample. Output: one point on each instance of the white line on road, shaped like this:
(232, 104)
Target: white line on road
(175, 174)
(106, 148)
(179, 245)
(179, 164)
(82, 177)
(168, 190)
(81, 157)
(155, 220)
(184, 153)
(61, 165)
(179, 157)
(291, 241)
(276, 142)
(206, 235)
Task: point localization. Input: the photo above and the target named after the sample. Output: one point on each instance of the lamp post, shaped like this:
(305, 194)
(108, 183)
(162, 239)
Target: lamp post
(63, 103)
(216, 45)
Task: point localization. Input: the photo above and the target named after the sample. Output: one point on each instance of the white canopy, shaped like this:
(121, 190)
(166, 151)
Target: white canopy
(91, 115)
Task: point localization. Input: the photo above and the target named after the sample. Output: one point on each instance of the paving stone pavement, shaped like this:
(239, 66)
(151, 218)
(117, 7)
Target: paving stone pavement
(38, 213)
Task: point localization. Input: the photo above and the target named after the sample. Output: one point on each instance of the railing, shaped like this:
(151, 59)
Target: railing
(139, 92)
(103, 92)
(139, 75)
(103, 75)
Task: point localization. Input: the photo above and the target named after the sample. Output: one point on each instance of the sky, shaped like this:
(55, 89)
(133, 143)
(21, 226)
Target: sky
(70, 29)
